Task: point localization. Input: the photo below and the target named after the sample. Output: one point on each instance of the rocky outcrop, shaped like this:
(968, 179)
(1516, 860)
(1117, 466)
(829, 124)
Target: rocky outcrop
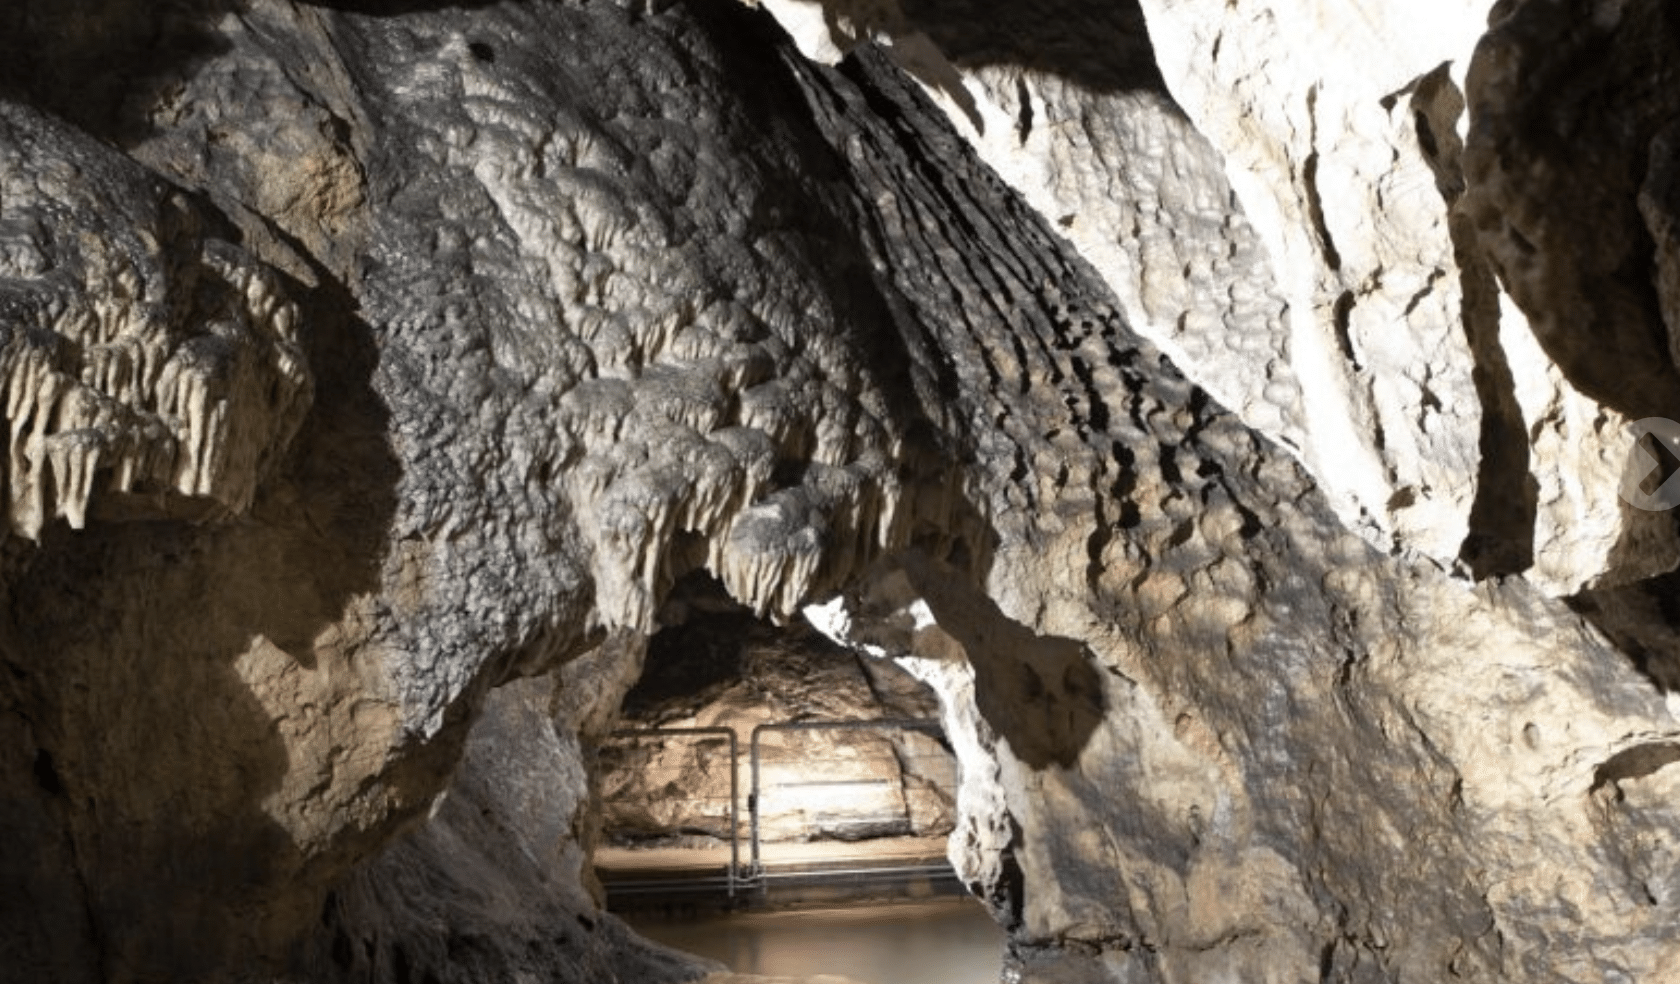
(395, 357)
(493, 885)
(1274, 284)
(1383, 201)
(1067, 105)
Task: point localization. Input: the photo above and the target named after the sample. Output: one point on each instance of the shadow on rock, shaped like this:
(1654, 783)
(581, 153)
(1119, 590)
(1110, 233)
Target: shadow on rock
(111, 67)
(392, 8)
(460, 901)
(1641, 619)
(147, 666)
(1097, 44)
(1042, 693)
(103, 65)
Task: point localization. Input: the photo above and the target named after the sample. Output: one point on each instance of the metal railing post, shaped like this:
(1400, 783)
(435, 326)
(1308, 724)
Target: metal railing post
(734, 814)
(753, 873)
(752, 797)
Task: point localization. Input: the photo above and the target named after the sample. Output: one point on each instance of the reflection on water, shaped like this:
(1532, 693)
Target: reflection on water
(944, 942)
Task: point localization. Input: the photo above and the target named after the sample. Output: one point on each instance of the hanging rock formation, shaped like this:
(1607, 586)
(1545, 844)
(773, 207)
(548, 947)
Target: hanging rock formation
(140, 355)
(1223, 407)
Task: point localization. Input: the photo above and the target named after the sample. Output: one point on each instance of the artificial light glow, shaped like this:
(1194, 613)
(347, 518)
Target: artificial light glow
(839, 797)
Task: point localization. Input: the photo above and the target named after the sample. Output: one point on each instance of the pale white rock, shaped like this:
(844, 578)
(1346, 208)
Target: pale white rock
(890, 619)
(809, 25)
(139, 356)
(1321, 144)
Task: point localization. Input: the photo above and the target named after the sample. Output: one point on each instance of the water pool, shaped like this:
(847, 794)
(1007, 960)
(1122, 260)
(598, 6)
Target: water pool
(949, 941)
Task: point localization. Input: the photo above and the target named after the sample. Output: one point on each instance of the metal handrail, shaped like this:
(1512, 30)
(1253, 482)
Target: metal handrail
(921, 724)
(734, 786)
(737, 875)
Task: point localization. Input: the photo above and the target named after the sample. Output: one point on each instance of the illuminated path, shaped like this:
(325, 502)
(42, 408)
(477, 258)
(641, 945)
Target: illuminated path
(792, 874)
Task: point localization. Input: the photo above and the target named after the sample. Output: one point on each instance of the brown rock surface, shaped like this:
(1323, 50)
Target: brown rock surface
(493, 885)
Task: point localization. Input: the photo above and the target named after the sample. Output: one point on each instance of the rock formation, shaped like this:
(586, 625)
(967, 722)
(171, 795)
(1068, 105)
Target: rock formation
(494, 885)
(139, 352)
(1223, 407)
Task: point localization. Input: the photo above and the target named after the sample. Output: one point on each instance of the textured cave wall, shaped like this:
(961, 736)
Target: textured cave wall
(1516, 919)
(1375, 168)
(362, 357)
(1274, 195)
(493, 887)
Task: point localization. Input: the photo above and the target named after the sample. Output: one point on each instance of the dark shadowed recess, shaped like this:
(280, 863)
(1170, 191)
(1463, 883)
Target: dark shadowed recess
(1636, 763)
(151, 757)
(106, 65)
(710, 644)
(1598, 105)
(1102, 45)
(102, 64)
(1042, 693)
(1643, 620)
(698, 652)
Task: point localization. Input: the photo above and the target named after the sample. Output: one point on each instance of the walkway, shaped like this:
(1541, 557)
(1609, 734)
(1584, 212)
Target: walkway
(792, 875)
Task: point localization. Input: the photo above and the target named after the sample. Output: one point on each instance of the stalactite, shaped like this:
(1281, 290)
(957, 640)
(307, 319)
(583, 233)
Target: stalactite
(119, 385)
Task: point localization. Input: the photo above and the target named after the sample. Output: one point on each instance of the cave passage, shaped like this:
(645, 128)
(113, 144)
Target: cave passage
(782, 804)
(750, 755)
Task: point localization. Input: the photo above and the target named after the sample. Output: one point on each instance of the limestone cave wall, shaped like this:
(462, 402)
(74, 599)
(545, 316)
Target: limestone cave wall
(1232, 411)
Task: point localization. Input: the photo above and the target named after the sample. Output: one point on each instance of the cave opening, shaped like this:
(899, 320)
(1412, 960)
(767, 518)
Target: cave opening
(781, 803)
